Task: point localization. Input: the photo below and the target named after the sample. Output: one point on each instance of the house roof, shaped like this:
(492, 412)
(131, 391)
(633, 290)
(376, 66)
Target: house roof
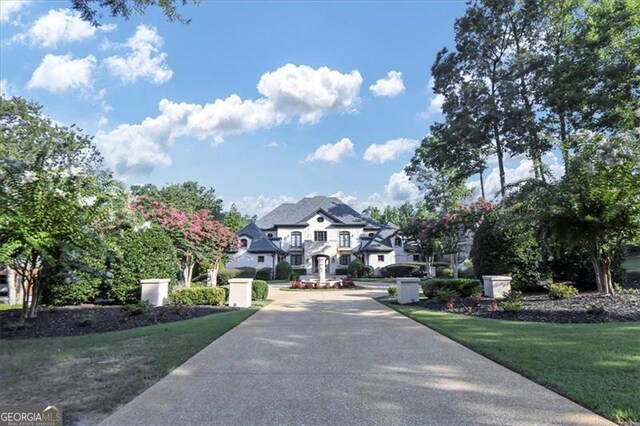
(297, 213)
(381, 241)
(260, 242)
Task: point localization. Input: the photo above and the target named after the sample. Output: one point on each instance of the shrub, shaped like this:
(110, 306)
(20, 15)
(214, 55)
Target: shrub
(512, 301)
(264, 274)
(294, 276)
(446, 294)
(224, 275)
(283, 270)
(133, 309)
(444, 272)
(401, 270)
(356, 268)
(300, 271)
(465, 287)
(342, 271)
(259, 290)
(198, 296)
(505, 244)
(561, 291)
(393, 290)
(140, 255)
(368, 271)
(467, 272)
(86, 319)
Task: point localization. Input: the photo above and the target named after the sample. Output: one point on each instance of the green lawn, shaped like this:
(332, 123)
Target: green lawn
(6, 307)
(632, 264)
(321, 289)
(89, 376)
(596, 365)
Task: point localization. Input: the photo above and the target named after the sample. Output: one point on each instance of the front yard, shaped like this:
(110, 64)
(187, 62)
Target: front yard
(596, 365)
(90, 376)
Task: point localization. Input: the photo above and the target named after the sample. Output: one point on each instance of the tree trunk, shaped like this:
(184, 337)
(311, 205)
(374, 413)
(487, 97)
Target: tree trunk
(602, 268)
(212, 276)
(188, 271)
(500, 154)
(482, 186)
(454, 264)
(564, 149)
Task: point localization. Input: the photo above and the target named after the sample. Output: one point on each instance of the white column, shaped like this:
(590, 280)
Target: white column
(408, 290)
(322, 269)
(240, 292)
(155, 291)
(496, 285)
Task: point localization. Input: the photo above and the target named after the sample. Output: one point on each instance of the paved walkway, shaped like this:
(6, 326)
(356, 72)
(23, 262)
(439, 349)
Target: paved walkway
(341, 358)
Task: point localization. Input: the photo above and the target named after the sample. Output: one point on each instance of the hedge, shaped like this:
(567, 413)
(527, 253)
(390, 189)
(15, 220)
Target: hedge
(198, 296)
(264, 274)
(356, 268)
(224, 275)
(342, 271)
(402, 270)
(283, 270)
(464, 287)
(300, 271)
(259, 290)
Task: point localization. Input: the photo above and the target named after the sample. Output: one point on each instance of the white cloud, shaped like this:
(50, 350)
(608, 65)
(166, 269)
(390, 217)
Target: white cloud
(137, 148)
(4, 88)
(59, 26)
(310, 93)
(261, 205)
(389, 86)
(332, 153)
(389, 150)
(435, 107)
(58, 74)
(274, 144)
(11, 7)
(521, 169)
(146, 60)
(400, 188)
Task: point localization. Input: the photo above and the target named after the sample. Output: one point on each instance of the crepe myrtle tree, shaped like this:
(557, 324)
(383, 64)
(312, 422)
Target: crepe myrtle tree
(596, 205)
(198, 238)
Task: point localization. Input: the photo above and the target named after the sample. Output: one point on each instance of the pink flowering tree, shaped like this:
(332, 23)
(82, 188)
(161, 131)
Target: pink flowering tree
(197, 237)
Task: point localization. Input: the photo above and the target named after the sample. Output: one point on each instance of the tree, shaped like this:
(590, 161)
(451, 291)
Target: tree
(187, 197)
(50, 189)
(125, 8)
(235, 220)
(597, 204)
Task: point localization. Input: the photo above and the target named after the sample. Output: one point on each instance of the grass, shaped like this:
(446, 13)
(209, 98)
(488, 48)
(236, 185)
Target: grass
(596, 365)
(632, 264)
(89, 376)
(376, 280)
(321, 289)
(7, 307)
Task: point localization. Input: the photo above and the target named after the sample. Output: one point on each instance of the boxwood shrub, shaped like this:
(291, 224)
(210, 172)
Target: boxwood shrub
(356, 268)
(283, 270)
(259, 290)
(342, 271)
(224, 275)
(464, 287)
(264, 274)
(198, 296)
(300, 271)
(402, 270)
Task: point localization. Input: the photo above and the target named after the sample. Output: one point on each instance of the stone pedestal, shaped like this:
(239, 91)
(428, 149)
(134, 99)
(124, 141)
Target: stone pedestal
(240, 292)
(155, 291)
(408, 290)
(496, 285)
(322, 270)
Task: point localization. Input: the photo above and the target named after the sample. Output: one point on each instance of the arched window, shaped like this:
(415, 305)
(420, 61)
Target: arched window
(243, 242)
(296, 239)
(345, 239)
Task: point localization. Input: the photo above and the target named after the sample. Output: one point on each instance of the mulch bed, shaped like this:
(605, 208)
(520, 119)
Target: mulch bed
(72, 320)
(583, 308)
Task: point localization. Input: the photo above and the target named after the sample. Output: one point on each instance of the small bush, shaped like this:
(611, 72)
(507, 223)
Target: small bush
(465, 287)
(342, 271)
(283, 270)
(401, 270)
(300, 271)
(356, 268)
(596, 310)
(446, 294)
(224, 275)
(264, 274)
(368, 271)
(561, 291)
(467, 272)
(139, 308)
(259, 290)
(512, 301)
(294, 276)
(86, 319)
(393, 290)
(198, 296)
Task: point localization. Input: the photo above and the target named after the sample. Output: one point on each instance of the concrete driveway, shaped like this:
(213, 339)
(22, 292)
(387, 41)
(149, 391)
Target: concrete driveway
(341, 358)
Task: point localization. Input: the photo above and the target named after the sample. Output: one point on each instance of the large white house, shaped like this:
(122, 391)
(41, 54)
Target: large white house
(319, 227)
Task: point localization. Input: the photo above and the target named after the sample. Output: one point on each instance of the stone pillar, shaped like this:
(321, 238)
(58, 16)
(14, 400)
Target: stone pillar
(322, 269)
(240, 292)
(496, 285)
(155, 291)
(408, 290)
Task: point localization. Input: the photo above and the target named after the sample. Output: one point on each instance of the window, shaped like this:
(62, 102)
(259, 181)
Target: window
(296, 239)
(320, 219)
(398, 242)
(381, 258)
(320, 236)
(345, 239)
(345, 259)
(260, 259)
(243, 242)
(416, 258)
(270, 235)
(371, 234)
(296, 259)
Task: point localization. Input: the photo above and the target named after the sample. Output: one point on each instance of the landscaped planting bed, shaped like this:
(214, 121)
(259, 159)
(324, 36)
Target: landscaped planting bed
(583, 308)
(90, 319)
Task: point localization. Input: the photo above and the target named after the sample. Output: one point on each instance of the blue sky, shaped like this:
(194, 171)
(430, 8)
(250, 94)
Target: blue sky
(264, 101)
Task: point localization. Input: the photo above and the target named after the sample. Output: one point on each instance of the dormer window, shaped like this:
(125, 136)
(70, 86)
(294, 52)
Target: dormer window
(243, 242)
(320, 219)
(371, 234)
(270, 235)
